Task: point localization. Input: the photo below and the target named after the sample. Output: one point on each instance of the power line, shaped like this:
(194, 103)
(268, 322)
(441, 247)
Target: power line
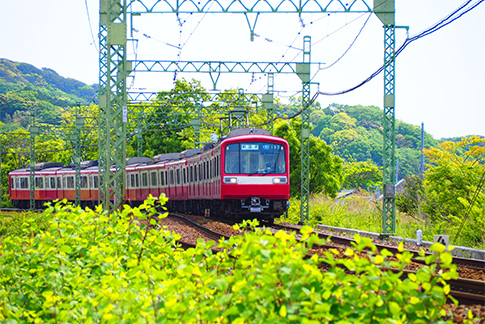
(346, 51)
(90, 27)
(442, 23)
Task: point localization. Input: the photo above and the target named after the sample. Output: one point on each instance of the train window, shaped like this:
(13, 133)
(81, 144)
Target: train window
(171, 177)
(24, 183)
(12, 183)
(95, 181)
(64, 182)
(154, 179)
(39, 183)
(166, 180)
(59, 183)
(70, 182)
(17, 182)
(53, 182)
(84, 182)
(144, 179)
(178, 176)
(132, 181)
(185, 175)
(90, 181)
(218, 165)
(191, 173)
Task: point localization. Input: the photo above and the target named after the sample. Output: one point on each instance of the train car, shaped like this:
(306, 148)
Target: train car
(45, 184)
(243, 175)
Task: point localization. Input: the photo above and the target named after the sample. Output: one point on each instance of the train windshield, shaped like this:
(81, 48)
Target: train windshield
(255, 158)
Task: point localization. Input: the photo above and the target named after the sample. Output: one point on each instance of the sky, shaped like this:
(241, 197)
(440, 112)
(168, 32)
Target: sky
(440, 78)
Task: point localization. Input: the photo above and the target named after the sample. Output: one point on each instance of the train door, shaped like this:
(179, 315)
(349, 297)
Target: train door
(60, 191)
(39, 187)
(84, 185)
(154, 183)
(144, 185)
(70, 187)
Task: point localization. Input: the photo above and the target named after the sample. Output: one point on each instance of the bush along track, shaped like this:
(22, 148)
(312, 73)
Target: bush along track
(88, 266)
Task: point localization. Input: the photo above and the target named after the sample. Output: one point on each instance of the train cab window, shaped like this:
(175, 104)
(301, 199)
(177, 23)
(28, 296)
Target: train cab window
(24, 183)
(95, 180)
(162, 179)
(59, 183)
(91, 181)
(17, 182)
(70, 182)
(218, 166)
(53, 182)
(154, 179)
(12, 183)
(84, 182)
(39, 183)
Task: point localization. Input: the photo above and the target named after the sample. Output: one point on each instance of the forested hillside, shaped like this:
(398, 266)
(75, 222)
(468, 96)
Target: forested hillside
(355, 134)
(25, 88)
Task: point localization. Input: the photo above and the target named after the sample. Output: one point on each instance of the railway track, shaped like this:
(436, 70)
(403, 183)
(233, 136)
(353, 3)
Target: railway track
(191, 240)
(466, 291)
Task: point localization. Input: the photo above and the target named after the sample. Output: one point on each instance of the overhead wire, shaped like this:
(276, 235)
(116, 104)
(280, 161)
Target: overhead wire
(90, 27)
(442, 23)
(346, 51)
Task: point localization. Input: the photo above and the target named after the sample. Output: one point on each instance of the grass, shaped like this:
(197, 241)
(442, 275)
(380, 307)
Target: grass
(358, 212)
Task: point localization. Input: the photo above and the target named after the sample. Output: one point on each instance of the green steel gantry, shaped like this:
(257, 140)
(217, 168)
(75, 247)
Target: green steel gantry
(114, 69)
(385, 11)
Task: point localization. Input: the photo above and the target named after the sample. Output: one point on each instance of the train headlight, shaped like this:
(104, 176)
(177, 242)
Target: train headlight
(230, 180)
(280, 180)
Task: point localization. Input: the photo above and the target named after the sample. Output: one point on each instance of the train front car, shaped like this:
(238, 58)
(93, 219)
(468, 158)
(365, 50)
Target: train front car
(255, 174)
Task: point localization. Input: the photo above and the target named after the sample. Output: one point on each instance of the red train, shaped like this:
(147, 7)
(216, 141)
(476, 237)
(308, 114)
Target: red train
(244, 175)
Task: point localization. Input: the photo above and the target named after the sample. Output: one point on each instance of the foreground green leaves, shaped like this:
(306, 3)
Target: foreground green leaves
(88, 266)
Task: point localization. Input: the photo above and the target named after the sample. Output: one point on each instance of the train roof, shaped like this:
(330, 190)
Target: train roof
(248, 131)
(43, 166)
(138, 160)
(166, 157)
(84, 164)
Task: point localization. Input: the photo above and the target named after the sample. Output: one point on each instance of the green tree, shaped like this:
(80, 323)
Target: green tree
(361, 174)
(166, 121)
(325, 167)
(454, 187)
